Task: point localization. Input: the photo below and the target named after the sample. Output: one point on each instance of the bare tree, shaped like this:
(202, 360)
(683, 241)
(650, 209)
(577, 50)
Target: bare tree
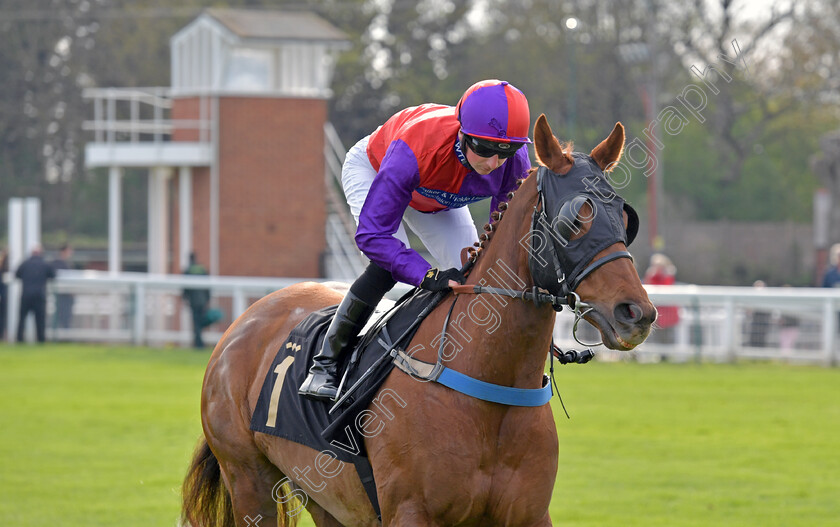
(721, 35)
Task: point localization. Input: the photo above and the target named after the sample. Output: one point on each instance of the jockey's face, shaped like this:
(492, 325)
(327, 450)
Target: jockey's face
(483, 165)
(483, 157)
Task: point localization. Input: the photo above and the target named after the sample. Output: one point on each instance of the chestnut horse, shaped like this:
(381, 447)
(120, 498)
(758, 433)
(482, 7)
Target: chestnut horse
(439, 457)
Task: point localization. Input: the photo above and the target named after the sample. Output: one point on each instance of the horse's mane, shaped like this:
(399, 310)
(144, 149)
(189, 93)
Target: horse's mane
(496, 216)
(491, 226)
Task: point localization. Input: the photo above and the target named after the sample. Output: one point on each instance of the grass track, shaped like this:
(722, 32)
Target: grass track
(94, 436)
(699, 445)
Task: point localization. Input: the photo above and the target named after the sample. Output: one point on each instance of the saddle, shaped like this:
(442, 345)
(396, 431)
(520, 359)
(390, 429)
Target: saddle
(281, 412)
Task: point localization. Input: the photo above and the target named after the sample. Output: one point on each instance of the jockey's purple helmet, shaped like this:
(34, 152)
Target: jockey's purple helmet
(495, 110)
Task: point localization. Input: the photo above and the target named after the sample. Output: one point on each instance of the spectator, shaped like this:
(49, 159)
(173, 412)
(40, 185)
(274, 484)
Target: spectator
(758, 323)
(199, 300)
(63, 301)
(832, 276)
(788, 332)
(4, 268)
(34, 273)
(663, 272)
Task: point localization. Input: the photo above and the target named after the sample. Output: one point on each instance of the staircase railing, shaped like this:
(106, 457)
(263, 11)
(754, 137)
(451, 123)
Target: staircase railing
(343, 260)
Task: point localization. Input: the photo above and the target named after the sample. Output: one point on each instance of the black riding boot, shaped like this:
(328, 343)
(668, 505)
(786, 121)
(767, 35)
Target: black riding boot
(350, 317)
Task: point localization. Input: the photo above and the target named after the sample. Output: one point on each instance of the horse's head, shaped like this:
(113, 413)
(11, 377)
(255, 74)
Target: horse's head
(579, 237)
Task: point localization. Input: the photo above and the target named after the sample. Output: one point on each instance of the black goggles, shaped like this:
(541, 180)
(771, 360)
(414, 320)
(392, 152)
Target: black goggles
(485, 148)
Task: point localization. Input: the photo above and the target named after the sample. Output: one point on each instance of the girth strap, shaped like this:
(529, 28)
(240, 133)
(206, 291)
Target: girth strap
(473, 387)
(365, 472)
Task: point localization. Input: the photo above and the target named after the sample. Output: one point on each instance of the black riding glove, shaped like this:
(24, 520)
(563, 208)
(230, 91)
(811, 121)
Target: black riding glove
(437, 280)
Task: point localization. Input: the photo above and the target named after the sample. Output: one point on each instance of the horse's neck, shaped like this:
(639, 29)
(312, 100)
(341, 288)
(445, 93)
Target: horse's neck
(513, 336)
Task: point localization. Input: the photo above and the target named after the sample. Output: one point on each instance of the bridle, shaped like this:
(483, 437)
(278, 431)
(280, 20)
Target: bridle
(539, 297)
(556, 267)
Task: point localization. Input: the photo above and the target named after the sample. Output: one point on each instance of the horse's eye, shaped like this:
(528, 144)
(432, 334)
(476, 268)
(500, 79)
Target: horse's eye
(568, 220)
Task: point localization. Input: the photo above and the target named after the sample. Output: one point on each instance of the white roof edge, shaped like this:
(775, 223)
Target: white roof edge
(148, 154)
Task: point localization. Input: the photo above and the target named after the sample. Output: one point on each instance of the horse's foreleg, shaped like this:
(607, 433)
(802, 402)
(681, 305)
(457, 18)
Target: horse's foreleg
(321, 517)
(544, 522)
(407, 514)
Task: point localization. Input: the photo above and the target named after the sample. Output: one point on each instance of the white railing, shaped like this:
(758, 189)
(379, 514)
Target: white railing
(798, 325)
(145, 309)
(141, 114)
(731, 323)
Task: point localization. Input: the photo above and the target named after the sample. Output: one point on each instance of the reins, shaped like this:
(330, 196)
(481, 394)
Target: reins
(540, 297)
(534, 295)
(439, 373)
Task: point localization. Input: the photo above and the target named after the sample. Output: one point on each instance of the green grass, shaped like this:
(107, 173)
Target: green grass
(95, 436)
(699, 445)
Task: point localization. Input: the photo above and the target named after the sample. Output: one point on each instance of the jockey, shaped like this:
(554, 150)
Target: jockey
(423, 166)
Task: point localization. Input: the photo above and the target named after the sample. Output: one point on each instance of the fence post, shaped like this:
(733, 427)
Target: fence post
(111, 116)
(134, 113)
(239, 304)
(730, 331)
(696, 329)
(139, 314)
(829, 330)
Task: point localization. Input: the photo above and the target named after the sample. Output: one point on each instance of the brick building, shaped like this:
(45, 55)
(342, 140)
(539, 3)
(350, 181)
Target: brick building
(235, 148)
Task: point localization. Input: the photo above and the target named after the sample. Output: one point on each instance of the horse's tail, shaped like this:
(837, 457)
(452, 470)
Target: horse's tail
(205, 499)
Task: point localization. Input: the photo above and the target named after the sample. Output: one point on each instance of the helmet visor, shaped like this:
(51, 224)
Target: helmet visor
(485, 148)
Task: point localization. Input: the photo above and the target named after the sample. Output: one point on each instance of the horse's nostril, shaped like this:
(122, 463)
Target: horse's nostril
(628, 313)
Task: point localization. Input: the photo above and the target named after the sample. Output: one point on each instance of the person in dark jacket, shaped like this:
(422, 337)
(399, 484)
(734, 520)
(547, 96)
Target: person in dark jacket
(832, 276)
(199, 300)
(34, 273)
(4, 268)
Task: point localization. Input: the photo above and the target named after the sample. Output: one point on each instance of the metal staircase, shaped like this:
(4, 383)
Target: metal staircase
(343, 261)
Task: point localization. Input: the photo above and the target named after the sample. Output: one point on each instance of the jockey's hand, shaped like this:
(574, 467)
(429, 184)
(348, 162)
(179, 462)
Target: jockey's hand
(437, 280)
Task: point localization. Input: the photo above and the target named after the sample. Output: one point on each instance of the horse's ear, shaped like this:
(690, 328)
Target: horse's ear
(609, 151)
(548, 149)
(544, 140)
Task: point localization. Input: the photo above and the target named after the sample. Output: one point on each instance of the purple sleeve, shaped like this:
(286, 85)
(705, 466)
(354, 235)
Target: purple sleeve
(515, 168)
(387, 199)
